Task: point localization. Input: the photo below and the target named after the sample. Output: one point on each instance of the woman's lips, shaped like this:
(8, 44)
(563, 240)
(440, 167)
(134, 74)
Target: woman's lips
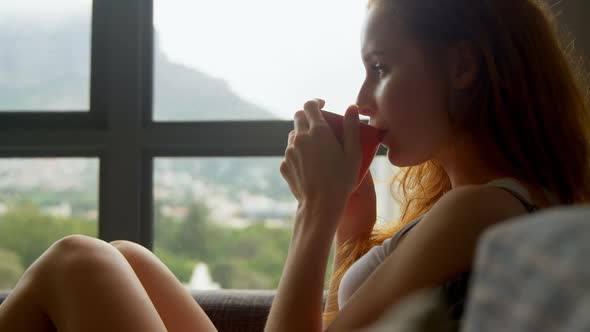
(365, 111)
(382, 131)
(382, 134)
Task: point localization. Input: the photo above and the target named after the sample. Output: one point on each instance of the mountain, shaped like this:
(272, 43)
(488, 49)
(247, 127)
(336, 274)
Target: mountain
(182, 93)
(47, 67)
(44, 67)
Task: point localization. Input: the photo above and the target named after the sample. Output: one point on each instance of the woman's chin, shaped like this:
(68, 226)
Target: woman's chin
(391, 156)
(395, 160)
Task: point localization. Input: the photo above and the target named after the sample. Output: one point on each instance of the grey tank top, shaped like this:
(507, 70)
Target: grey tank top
(454, 290)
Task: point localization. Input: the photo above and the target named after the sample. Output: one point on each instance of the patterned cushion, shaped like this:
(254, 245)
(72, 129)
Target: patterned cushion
(422, 311)
(532, 274)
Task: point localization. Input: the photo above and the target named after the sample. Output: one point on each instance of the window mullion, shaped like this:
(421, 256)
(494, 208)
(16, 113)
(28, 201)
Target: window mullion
(121, 89)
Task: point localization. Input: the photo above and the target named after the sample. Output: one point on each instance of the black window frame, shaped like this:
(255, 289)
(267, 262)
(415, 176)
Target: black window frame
(119, 128)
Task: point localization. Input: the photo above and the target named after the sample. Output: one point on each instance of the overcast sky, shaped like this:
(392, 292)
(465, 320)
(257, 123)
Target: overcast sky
(43, 11)
(274, 53)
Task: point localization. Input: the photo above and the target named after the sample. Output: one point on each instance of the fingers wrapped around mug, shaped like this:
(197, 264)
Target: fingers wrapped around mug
(300, 122)
(316, 166)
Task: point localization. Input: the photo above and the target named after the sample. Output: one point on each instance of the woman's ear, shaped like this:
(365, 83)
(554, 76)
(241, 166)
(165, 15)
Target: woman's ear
(463, 64)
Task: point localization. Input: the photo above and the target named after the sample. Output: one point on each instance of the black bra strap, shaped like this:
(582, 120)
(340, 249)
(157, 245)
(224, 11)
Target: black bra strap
(529, 207)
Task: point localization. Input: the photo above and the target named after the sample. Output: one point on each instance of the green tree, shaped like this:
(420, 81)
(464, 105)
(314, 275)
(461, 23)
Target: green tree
(28, 232)
(193, 231)
(252, 257)
(11, 269)
(238, 274)
(182, 267)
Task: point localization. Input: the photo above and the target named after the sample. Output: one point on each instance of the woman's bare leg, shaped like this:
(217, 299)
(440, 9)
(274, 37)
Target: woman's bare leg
(79, 284)
(21, 310)
(175, 305)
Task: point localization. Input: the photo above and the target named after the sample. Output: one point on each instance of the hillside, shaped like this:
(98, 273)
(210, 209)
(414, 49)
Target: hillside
(47, 68)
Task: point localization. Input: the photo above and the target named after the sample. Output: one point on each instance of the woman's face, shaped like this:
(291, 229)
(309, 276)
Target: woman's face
(402, 91)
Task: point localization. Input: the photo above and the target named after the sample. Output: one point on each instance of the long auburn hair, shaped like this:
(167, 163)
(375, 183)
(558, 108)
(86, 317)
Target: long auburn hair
(528, 108)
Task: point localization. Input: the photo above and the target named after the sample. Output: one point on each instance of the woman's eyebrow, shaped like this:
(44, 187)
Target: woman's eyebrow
(369, 54)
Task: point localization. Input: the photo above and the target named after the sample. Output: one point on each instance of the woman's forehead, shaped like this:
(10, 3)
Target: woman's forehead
(380, 33)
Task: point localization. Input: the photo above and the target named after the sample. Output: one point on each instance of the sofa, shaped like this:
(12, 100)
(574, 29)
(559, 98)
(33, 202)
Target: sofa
(531, 273)
(229, 310)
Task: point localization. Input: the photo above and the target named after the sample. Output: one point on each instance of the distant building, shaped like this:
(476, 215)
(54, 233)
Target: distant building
(201, 278)
(62, 210)
(175, 212)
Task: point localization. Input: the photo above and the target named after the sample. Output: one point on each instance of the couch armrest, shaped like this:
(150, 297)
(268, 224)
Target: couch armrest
(229, 309)
(236, 310)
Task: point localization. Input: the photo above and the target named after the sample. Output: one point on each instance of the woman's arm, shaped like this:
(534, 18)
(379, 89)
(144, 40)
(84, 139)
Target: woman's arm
(356, 226)
(332, 298)
(322, 174)
(298, 303)
(438, 248)
(322, 191)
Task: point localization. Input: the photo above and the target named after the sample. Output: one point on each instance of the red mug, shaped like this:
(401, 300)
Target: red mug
(369, 136)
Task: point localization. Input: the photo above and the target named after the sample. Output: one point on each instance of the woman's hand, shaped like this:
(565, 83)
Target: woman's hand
(359, 214)
(321, 172)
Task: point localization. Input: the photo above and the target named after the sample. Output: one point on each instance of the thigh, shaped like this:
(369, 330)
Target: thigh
(174, 303)
(20, 312)
(84, 284)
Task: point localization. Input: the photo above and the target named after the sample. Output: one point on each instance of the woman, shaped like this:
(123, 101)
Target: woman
(487, 121)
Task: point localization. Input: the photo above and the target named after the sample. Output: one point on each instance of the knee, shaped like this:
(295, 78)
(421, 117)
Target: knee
(73, 247)
(76, 242)
(132, 251)
(72, 260)
(80, 256)
(124, 244)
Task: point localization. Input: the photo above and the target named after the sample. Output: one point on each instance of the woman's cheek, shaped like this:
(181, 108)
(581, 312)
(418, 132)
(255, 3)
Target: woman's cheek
(396, 104)
(388, 95)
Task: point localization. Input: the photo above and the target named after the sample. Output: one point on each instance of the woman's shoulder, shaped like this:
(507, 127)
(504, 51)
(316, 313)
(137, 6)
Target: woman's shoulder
(476, 204)
(461, 215)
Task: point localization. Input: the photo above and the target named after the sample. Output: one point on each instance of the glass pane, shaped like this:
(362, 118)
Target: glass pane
(226, 222)
(41, 201)
(45, 61)
(253, 60)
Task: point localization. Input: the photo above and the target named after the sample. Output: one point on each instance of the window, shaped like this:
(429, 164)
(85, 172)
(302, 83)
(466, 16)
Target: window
(222, 222)
(254, 60)
(226, 222)
(45, 58)
(41, 201)
(139, 151)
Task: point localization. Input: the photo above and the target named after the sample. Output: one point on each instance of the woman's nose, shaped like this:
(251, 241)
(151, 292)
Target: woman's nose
(366, 107)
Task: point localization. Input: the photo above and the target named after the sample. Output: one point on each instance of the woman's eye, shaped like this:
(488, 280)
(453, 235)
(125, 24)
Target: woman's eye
(378, 68)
